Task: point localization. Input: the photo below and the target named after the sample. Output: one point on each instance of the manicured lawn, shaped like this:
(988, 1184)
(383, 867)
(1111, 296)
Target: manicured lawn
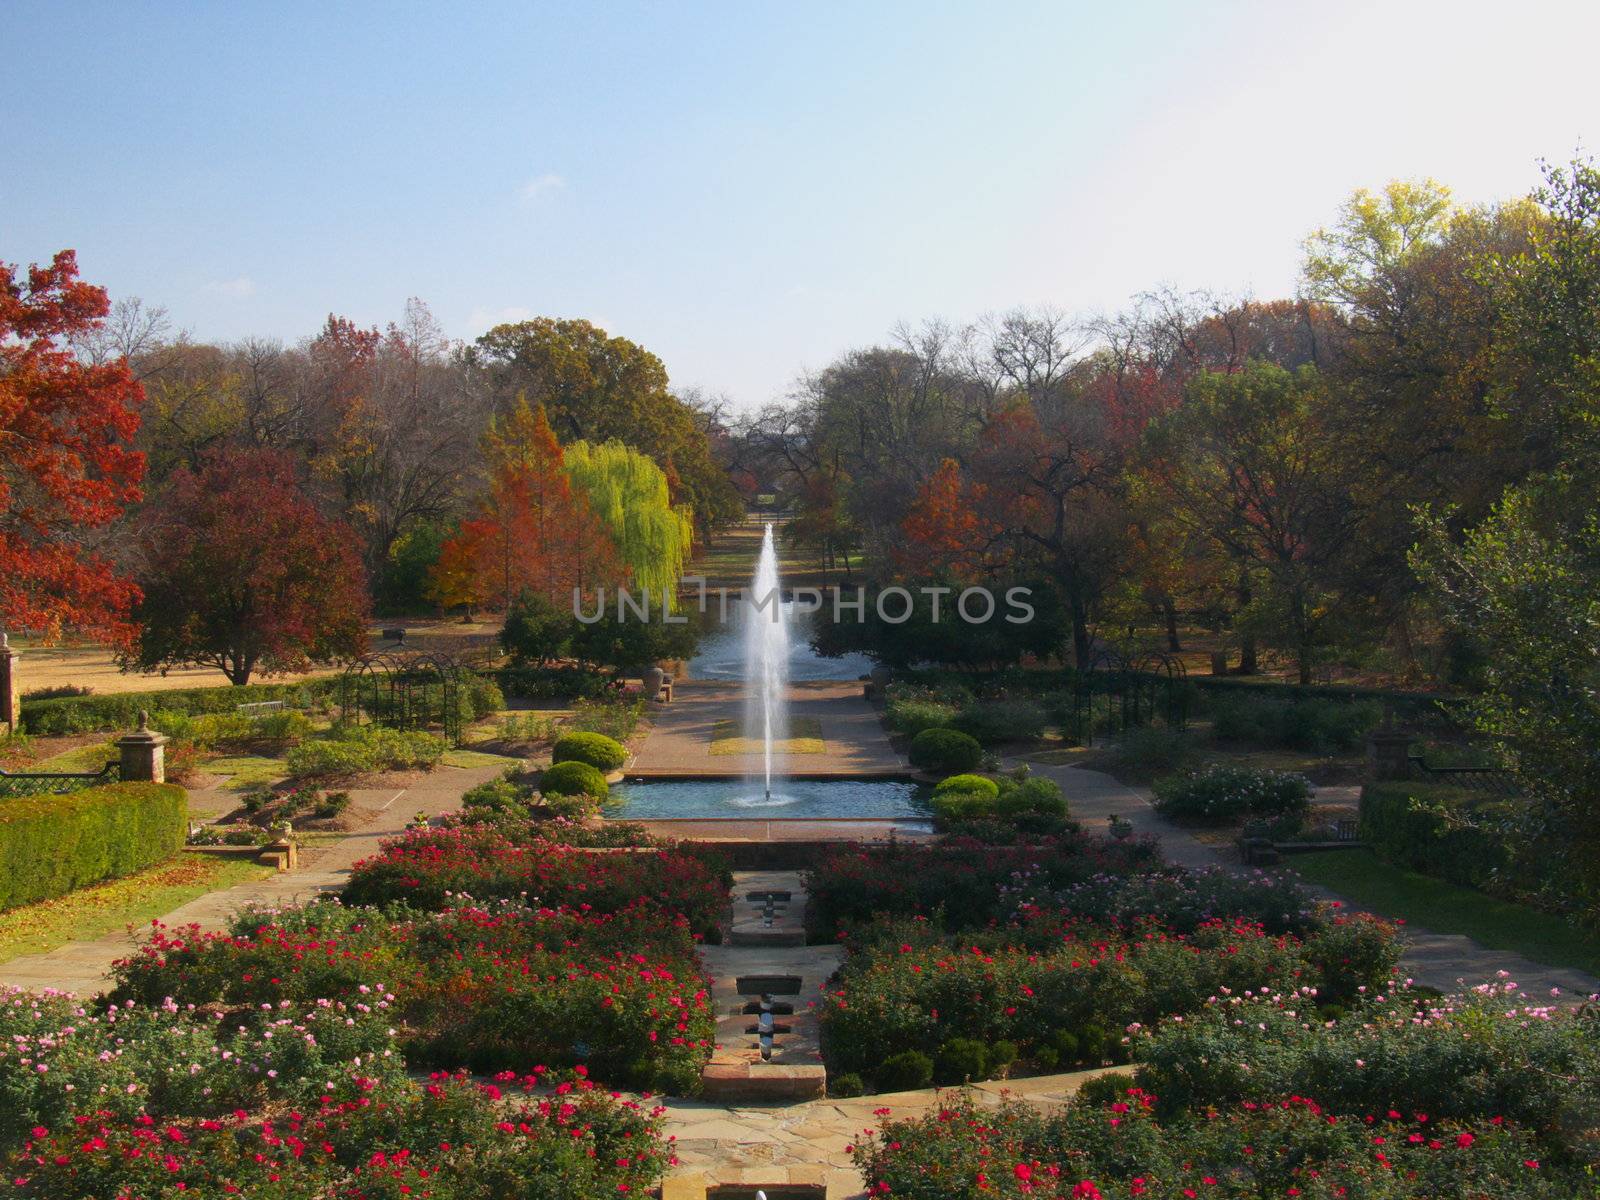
(89, 757)
(108, 907)
(805, 737)
(462, 757)
(246, 770)
(1445, 908)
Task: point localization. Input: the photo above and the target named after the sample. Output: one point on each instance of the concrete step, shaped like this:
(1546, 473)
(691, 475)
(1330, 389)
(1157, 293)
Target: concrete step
(763, 1083)
(757, 934)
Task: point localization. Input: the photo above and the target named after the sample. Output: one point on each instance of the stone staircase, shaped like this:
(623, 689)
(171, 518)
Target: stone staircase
(767, 984)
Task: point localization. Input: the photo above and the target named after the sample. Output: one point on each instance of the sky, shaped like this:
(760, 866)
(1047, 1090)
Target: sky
(751, 189)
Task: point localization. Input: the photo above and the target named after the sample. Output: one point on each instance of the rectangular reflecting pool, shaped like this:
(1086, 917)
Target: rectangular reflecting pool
(738, 799)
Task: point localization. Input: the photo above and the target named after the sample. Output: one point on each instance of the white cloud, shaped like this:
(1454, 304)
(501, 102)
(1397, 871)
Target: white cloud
(541, 185)
(237, 288)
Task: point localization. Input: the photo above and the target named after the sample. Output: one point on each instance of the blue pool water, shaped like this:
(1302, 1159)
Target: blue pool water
(735, 799)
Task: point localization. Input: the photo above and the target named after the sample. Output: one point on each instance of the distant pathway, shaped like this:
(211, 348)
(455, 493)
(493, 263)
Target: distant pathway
(1440, 960)
(85, 967)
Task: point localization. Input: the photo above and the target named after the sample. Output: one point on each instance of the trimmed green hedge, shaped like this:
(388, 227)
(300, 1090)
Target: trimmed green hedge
(93, 714)
(1446, 832)
(596, 749)
(947, 751)
(1037, 681)
(968, 785)
(573, 779)
(52, 845)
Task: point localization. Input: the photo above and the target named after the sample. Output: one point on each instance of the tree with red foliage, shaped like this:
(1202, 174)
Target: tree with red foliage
(946, 531)
(67, 466)
(244, 574)
(533, 532)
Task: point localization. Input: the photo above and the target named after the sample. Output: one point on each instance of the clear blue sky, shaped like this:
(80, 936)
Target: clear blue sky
(747, 189)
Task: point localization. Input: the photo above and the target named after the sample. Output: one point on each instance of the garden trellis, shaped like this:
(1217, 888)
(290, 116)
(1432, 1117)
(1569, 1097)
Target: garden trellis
(404, 691)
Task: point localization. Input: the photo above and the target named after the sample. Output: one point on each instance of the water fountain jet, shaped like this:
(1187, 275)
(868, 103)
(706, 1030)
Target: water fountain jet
(766, 658)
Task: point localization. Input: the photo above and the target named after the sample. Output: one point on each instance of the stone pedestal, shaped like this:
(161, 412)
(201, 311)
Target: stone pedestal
(10, 692)
(144, 754)
(1388, 754)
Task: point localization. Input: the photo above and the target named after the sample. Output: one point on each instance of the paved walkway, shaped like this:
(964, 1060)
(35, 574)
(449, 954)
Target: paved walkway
(809, 1144)
(1440, 960)
(85, 967)
(854, 741)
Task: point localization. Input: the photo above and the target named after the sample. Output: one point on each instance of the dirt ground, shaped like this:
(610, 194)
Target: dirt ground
(92, 666)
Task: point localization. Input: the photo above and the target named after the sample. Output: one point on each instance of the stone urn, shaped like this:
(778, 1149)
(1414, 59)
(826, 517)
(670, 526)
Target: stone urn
(653, 677)
(881, 678)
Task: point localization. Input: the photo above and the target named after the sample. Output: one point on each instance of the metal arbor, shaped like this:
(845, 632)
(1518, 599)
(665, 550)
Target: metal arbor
(416, 690)
(1139, 688)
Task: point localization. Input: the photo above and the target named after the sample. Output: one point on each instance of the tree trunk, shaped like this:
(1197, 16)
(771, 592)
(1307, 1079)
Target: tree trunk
(1170, 611)
(1247, 656)
(1082, 650)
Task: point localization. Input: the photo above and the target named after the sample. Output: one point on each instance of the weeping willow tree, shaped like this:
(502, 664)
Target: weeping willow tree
(629, 493)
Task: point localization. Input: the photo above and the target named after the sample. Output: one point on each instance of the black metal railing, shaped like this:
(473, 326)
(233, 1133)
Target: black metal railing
(1497, 780)
(14, 784)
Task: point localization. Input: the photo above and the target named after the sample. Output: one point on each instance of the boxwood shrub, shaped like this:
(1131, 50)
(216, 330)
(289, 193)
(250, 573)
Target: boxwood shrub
(969, 785)
(573, 779)
(52, 845)
(596, 749)
(949, 807)
(946, 751)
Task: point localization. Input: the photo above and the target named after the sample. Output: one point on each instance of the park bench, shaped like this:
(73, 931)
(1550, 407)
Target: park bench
(260, 708)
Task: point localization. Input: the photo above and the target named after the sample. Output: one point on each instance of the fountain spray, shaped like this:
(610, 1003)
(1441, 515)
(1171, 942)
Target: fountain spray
(766, 656)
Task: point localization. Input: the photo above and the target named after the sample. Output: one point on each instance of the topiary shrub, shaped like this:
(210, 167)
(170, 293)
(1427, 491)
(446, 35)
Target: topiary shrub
(906, 1071)
(1031, 797)
(962, 806)
(596, 749)
(945, 751)
(971, 785)
(52, 845)
(573, 779)
(961, 1060)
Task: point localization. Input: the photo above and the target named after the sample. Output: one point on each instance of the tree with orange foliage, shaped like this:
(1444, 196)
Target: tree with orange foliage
(67, 466)
(946, 531)
(532, 531)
